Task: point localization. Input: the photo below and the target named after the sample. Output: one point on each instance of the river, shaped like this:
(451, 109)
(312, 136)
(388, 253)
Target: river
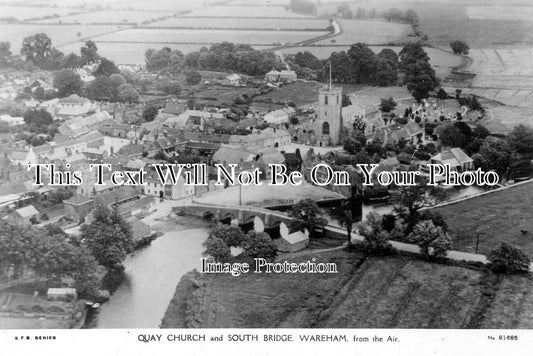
(152, 274)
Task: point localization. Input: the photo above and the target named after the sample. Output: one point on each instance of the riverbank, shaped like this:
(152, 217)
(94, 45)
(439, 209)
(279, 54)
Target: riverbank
(375, 292)
(152, 272)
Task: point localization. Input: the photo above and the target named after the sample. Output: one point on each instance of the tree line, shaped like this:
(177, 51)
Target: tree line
(225, 56)
(48, 254)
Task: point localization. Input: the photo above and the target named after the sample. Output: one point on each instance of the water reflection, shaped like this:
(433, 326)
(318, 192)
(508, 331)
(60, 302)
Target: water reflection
(151, 276)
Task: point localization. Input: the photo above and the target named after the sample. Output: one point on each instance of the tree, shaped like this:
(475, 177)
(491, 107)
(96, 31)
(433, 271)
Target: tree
(386, 73)
(101, 88)
(521, 139)
(390, 56)
(496, 154)
(344, 11)
(352, 145)
(89, 53)
(419, 75)
(363, 64)
(346, 100)
(420, 80)
(355, 142)
(308, 60)
(359, 125)
(387, 105)
(67, 83)
(149, 113)
(5, 53)
(508, 259)
(307, 215)
(459, 47)
(259, 245)
(412, 198)
(345, 218)
(376, 239)
(116, 80)
(193, 77)
(302, 6)
(170, 87)
(217, 249)
(232, 235)
(432, 240)
(441, 94)
(38, 117)
(71, 61)
(108, 237)
(451, 136)
(37, 49)
(106, 68)
(127, 93)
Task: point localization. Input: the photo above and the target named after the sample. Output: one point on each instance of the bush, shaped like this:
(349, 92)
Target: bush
(508, 259)
(231, 235)
(376, 238)
(432, 240)
(217, 248)
(259, 245)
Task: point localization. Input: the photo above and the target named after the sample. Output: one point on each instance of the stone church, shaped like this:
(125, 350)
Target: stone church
(329, 124)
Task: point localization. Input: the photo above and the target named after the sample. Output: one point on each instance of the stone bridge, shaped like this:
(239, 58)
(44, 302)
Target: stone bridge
(242, 213)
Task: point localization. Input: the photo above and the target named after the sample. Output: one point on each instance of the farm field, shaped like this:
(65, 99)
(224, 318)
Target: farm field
(509, 68)
(498, 215)
(32, 12)
(506, 13)
(207, 36)
(109, 16)
(244, 23)
(247, 11)
(371, 32)
(385, 292)
(501, 119)
(60, 34)
(478, 33)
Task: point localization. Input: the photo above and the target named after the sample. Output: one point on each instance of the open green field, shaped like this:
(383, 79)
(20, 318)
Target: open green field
(244, 23)
(509, 13)
(300, 93)
(371, 32)
(32, 12)
(59, 34)
(207, 36)
(109, 16)
(506, 76)
(247, 11)
(385, 292)
(498, 216)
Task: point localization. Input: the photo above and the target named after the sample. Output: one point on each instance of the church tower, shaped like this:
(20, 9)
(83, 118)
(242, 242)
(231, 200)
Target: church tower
(329, 122)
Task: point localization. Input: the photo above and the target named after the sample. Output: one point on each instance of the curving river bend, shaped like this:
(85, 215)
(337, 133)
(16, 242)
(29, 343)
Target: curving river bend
(152, 274)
